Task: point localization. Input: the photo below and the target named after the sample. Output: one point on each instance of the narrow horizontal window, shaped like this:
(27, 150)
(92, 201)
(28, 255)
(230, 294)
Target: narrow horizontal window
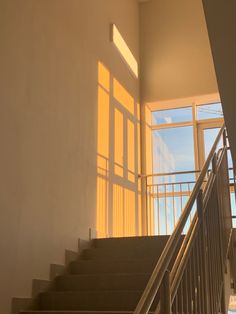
(124, 50)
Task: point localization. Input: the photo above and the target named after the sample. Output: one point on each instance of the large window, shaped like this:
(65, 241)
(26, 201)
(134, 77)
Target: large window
(176, 139)
(182, 138)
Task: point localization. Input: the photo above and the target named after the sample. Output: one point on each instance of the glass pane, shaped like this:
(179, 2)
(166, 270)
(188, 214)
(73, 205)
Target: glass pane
(172, 116)
(209, 139)
(233, 208)
(210, 111)
(173, 150)
(230, 165)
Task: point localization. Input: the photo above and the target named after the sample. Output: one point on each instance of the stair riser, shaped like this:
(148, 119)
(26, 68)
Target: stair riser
(105, 282)
(131, 243)
(77, 312)
(103, 254)
(90, 301)
(103, 267)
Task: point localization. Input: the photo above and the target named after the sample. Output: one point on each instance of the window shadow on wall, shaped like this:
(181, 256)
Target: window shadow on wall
(118, 207)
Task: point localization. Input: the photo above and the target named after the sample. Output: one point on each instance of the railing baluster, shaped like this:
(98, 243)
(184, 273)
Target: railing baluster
(200, 297)
(173, 202)
(190, 284)
(185, 291)
(181, 299)
(165, 202)
(181, 200)
(195, 309)
(158, 211)
(200, 211)
(165, 294)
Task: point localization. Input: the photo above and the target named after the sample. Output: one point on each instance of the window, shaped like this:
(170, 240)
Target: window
(173, 149)
(210, 111)
(172, 116)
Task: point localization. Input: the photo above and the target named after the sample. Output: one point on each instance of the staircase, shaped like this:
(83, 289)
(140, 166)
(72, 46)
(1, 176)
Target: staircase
(110, 277)
(161, 274)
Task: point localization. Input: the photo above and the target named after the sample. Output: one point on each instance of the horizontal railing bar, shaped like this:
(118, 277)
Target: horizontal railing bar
(168, 173)
(170, 194)
(171, 183)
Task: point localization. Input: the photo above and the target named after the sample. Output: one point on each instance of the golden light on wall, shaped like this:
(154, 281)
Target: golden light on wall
(148, 148)
(123, 97)
(124, 211)
(118, 205)
(124, 50)
(103, 146)
(131, 151)
(103, 76)
(103, 123)
(119, 145)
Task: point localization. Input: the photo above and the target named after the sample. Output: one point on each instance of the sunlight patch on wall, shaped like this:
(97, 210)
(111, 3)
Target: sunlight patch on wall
(148, 148)
(124, 50)
(118, 211)
(131, 153)
(123, 97)
(129, 223)
(103, 76)
(118, 205)
(102, 208)
(119, 145)
(103, 150)
(103, 123)
(124, 214)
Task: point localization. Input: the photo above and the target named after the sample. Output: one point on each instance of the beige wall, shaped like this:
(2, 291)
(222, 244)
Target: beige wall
(50, 51)
(176, 61)
(220, 17)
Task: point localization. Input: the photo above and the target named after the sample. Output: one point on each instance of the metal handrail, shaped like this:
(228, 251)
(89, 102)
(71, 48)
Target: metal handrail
(158, 274)
(168, 173)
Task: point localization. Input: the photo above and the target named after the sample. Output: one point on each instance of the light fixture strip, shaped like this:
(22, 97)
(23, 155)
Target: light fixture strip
(124, 50)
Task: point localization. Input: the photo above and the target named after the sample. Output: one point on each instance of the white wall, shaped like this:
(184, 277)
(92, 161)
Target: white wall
(48, 126)
(176, 60)
(220, 17)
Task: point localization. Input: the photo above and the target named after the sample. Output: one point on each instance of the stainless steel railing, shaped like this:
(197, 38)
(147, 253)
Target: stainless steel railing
(194, 283)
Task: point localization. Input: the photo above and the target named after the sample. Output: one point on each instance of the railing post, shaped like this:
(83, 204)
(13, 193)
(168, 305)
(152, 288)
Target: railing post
(224, 138)
(144, 202)
(223, 305)
(214, 163)
(203, 245)
(165, 294)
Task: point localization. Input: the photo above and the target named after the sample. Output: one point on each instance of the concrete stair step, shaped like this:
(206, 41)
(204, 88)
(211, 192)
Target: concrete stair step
(102, 282)
(112, 266)
(78, 312)
(119, 254)
(153, 242)
(90, 300)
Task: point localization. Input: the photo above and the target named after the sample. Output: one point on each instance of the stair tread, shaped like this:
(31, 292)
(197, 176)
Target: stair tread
(108, 278)
(78, 312)
(92, 291)
(102, 275)
(106, 300)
